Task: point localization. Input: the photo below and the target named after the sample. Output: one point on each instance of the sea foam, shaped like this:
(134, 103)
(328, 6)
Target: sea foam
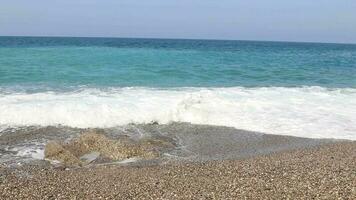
(312, 112)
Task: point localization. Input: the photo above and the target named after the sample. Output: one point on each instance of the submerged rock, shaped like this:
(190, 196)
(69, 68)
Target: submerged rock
(90, 157)
(114, 149)
(91, 146)
(55, 151)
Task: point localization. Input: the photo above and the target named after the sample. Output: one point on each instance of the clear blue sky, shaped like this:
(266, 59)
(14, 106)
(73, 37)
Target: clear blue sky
(283, 20)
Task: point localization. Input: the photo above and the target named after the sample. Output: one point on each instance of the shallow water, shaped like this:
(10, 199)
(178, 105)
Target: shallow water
(191, 142)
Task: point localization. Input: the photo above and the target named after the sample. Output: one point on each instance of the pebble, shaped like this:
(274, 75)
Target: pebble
(326, 172)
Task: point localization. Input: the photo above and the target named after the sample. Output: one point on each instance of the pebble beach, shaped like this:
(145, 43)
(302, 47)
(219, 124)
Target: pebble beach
(323, 172)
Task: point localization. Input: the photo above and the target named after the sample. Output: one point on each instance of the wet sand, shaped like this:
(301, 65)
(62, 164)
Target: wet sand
(324, 172)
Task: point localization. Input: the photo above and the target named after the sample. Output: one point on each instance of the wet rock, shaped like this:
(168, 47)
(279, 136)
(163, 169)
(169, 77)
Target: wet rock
(90, 157)
(153, 123)
(113, 149)
(91, 146)
(55, 151)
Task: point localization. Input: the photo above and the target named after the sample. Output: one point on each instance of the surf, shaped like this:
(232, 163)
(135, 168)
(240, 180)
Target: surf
(295, 111)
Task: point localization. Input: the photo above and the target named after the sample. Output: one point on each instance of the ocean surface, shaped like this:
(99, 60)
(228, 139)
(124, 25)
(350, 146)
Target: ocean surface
(298, 89)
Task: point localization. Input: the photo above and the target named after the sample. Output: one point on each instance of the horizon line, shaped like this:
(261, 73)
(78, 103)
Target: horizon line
(171, 38)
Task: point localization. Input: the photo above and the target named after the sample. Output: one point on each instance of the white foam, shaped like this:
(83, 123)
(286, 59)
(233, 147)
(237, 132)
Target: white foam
(29, 152)
(313, 112)
(129, 160)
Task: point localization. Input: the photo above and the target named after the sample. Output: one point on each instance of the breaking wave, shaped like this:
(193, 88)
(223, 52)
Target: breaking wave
(313, 112)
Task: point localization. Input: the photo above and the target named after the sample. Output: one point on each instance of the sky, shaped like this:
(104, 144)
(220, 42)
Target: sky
(269, 20)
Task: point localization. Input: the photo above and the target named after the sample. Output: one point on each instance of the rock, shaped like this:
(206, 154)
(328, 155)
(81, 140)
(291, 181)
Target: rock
(90, 157)
(93, 142)
(153, 123)
(91, 146)
(55, 151)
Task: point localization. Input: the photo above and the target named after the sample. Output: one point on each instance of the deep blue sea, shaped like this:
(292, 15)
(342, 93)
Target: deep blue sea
(300, 89)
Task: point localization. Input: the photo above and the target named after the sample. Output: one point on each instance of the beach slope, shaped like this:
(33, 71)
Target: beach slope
(323, 172)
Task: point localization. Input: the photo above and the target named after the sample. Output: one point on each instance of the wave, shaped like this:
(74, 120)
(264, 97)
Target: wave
(312, 112)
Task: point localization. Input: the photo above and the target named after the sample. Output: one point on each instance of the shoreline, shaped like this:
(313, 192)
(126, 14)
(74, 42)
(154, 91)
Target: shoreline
(173, 142)
(194, 161)
(327, 171)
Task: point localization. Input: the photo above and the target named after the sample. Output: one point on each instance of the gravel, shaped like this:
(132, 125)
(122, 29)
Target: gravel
(325, 172)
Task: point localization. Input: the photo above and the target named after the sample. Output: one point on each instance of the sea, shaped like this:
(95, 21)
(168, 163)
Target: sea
(284, 88)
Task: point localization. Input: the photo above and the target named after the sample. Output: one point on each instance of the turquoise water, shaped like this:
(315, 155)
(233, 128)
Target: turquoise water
(100, 62)
(299, 89)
